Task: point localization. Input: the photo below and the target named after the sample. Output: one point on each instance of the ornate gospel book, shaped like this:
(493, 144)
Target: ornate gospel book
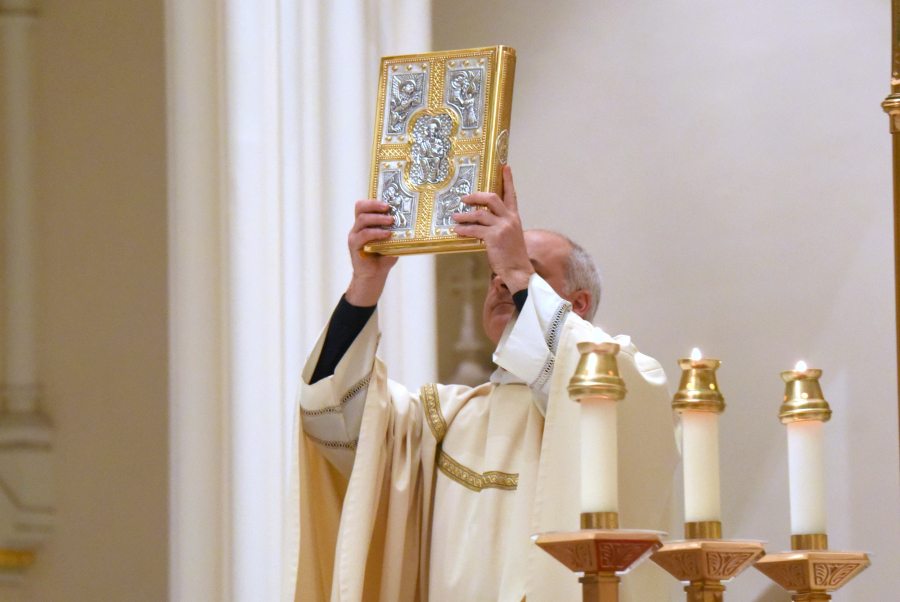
(441, 132)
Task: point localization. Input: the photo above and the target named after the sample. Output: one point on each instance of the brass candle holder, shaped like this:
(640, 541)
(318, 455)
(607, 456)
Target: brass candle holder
(704, 560)
(811, 570)
(600, 549)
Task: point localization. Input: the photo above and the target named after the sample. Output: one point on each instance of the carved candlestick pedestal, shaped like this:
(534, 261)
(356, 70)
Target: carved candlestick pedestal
(705, 563)
(601, 554)
(811, 574)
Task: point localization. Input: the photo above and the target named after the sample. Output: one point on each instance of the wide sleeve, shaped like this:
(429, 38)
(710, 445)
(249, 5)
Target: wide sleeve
(529, 344)
(331, 409)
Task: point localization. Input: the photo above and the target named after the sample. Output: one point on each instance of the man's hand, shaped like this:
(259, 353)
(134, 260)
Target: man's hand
(501, 230)
(370, 270)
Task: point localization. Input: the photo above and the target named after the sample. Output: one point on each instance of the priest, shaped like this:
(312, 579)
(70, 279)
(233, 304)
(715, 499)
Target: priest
(439, 489)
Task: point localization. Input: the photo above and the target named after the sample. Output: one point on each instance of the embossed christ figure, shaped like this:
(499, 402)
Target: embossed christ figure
(432, 152)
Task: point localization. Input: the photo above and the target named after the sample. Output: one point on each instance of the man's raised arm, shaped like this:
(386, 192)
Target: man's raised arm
(335, 379)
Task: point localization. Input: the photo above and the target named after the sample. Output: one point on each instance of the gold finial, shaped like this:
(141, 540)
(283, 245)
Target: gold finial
(803, 398)
(698, 390)
(597, 374)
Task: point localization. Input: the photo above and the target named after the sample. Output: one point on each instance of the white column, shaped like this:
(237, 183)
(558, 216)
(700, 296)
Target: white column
(256, 310)
(199, 534)
(26, 437)
(17, 20)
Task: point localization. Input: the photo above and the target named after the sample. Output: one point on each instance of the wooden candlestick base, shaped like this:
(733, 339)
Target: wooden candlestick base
(811, 574)
(602, 555)
(705, 563)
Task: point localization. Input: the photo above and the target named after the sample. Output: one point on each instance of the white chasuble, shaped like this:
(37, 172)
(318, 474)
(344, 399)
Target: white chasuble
(447, 484)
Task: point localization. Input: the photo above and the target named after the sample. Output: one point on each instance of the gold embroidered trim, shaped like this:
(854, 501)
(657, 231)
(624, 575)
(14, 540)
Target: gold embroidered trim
(433, 409)
(476, 481)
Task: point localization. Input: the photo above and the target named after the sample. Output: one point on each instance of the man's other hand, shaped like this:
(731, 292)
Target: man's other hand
(500, 227)
(370, 270)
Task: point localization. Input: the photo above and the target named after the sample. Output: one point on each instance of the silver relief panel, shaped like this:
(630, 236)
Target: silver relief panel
(465, 89)
(449, 202)
(431, 149)
(402, 202)
(407, 93)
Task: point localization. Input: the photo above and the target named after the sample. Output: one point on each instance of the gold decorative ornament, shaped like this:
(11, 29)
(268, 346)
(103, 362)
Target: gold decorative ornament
(599, 520)
(597, 373)
(707, 529)
(698, 390)
(811, 541)
(803, 398)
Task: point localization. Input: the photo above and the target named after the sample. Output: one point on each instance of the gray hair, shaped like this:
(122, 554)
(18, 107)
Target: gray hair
(581, 273)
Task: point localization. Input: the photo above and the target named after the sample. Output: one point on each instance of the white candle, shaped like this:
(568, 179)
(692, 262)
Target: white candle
(806, 465)
(700, 454)
(599, 456)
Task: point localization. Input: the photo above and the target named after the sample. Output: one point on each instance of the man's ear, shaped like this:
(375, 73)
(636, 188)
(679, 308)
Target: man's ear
(581, 302)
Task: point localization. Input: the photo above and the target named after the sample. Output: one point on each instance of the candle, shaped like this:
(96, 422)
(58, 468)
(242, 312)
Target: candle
(700, 449)
(804, 411)
(597, 385)
(599, 456)
(699, 402)
(806, 466)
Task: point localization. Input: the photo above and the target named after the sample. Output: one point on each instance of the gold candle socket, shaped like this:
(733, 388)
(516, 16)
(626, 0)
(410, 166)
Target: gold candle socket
(803, 398)
(707, 529)
(597, 373)
(698, 390)
(810, 541)
(599, 520)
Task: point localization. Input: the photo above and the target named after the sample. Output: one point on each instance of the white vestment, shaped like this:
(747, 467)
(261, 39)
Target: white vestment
(448, 483)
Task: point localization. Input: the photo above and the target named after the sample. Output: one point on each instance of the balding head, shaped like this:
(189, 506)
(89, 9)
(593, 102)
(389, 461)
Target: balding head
(563, 264)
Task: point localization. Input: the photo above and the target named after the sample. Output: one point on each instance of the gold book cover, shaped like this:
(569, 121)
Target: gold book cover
(441, 132)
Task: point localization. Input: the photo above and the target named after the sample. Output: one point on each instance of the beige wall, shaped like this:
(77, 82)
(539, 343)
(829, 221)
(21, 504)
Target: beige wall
(729, 165)
(101, 211)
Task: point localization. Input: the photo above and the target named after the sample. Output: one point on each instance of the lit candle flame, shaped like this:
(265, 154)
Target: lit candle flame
(800, 367)
(696, 355)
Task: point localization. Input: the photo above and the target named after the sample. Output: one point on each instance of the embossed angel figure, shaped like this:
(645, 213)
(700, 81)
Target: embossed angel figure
(451, 203)
(464, 93)
(404, 99)
(392, 197)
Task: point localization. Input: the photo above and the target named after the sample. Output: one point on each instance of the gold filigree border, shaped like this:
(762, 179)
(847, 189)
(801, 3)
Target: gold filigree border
(433, 409)
(473, 480)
